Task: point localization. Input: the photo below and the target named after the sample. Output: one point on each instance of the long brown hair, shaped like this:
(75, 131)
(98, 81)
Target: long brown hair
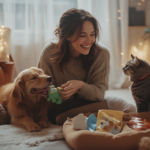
(70, 23)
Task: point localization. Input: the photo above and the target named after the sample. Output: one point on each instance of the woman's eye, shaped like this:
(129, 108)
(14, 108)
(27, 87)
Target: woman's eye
(93, 35)
(82, 35)
(34, 78)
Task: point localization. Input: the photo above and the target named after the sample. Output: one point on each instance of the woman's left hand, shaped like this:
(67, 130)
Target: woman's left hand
(70, 88)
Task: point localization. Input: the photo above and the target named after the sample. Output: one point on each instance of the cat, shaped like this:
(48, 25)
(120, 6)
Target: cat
(139, 72)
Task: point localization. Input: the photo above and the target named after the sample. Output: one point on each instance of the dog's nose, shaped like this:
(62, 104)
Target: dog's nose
(49, 79)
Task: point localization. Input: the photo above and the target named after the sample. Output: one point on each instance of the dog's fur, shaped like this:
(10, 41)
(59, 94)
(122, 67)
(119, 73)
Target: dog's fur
(26, 109)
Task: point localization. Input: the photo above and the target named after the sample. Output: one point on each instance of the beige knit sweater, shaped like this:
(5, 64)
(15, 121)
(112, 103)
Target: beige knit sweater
(95, 81)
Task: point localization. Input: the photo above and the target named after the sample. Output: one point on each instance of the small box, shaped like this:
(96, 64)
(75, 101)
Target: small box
(109, 121)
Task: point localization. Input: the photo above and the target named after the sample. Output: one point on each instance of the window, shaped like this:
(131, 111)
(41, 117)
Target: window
(137, 12)
(25, 10)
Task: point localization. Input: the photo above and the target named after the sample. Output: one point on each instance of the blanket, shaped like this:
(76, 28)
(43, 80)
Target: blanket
(12, 136)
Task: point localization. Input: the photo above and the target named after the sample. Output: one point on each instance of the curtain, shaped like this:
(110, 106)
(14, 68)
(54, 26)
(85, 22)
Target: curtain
(113, 18)
(32, 23)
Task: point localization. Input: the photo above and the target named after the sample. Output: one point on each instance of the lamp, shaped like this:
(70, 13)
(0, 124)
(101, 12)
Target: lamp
(6, 61)
(4, 44)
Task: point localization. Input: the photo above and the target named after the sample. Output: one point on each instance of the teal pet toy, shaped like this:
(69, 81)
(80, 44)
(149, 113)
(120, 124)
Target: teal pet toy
(54, 95)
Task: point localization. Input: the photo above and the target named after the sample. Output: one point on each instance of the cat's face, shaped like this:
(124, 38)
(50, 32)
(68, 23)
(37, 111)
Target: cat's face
(136, 68)
(131, 66)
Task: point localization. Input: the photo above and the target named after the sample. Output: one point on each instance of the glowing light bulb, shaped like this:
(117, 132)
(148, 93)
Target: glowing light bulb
(3, 26)
(1, 48)
(122, 53)
(4, 42)
(135, 49)
(1, 33)
(7, 56)
(139, 3)
(119, 18)
(140, 43)
(119, 10)
(143, 0)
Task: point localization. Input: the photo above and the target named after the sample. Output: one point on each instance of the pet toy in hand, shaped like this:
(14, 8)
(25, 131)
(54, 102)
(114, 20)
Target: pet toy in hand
(54, 95)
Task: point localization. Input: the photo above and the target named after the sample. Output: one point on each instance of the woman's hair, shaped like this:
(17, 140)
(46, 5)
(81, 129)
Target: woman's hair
(71, 23)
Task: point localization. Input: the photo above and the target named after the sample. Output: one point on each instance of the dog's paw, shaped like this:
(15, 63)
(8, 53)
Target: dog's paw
(144, 143)
(43, 124)
(33, 127)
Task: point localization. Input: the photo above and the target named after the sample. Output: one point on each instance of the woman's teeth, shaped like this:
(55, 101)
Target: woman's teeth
(85, 46)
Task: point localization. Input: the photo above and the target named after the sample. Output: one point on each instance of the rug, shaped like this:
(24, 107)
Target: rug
(12, 135)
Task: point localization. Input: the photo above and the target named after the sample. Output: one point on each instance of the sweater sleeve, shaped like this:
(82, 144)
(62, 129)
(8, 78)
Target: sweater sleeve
(94, 90)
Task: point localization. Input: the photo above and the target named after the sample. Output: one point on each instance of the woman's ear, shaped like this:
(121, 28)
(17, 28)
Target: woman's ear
(18, 91)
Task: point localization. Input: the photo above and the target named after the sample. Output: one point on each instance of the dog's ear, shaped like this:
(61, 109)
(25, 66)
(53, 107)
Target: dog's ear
(18, 91)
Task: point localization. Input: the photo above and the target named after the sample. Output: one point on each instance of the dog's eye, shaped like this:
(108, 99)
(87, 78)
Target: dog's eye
(34, 78)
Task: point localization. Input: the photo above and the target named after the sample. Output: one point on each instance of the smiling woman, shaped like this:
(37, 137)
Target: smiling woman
(83, 44)
(77, 64)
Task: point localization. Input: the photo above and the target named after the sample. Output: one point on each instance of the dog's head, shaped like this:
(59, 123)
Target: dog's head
(31, 82)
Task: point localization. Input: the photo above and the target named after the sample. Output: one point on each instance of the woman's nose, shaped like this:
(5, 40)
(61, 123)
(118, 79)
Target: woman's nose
(88, 39)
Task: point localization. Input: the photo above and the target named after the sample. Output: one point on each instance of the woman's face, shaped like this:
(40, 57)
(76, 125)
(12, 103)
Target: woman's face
(83, 44)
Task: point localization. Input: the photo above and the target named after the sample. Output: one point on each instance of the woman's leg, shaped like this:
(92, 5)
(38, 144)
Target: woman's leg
(76, 106)
(90, 108)
(55, 110)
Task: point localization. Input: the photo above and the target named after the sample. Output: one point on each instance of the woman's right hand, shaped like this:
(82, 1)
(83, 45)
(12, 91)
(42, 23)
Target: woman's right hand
(70, 88)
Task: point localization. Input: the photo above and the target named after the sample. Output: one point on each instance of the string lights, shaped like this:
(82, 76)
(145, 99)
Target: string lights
(4, 50)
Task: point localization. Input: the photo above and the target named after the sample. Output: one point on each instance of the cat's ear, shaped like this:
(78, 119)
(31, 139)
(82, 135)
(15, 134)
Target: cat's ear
(136, 61)
(132, 57)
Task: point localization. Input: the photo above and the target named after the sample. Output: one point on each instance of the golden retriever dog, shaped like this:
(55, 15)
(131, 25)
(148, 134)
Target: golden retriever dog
(26, 99)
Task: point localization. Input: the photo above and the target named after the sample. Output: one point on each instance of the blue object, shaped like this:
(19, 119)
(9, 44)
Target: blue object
(91, 122)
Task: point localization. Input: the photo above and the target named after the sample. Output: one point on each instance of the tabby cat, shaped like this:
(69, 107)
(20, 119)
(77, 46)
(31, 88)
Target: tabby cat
(139, 72)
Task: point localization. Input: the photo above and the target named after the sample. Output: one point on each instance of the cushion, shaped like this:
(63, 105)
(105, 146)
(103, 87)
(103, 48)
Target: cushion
(128, 139)
(4, 117)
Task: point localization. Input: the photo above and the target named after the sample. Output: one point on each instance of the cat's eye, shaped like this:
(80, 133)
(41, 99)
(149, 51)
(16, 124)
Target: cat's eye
(126, 67)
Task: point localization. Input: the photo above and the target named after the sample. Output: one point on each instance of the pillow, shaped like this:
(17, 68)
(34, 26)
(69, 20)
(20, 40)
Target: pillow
(128, 139)
(4, 117)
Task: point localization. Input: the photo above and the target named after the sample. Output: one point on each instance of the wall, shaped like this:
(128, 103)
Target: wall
(137, 46)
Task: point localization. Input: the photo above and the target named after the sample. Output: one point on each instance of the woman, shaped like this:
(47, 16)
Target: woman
(77, 64)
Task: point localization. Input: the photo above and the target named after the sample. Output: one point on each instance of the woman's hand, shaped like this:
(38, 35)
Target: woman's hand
(70, 88)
